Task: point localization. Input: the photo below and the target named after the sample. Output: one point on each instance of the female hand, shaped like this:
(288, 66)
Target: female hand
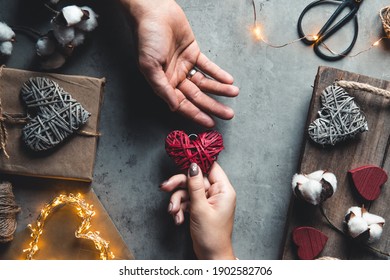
(211, 202)
(168, 51)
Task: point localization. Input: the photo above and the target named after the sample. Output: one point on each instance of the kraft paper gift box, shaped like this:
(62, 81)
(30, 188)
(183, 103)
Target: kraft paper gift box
(74, 158)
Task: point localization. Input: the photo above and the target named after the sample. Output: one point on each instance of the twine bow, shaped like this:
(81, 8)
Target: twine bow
(7, 118)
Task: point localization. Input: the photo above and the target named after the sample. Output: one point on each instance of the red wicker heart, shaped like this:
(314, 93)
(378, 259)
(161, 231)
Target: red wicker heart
(203, 149)
(368, 181)
(310, 242)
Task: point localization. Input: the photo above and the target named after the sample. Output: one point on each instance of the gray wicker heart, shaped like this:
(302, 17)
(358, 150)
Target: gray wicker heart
(340, 118)
(58, 115)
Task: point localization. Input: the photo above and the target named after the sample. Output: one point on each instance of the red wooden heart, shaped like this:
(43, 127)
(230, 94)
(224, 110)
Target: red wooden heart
(310, 242)
(203, 149)
(368, 180)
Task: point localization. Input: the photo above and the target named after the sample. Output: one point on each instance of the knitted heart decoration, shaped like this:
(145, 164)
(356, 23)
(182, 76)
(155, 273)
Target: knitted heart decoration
(58, 115)
(339, 119)
(310, 242)
(203, 149)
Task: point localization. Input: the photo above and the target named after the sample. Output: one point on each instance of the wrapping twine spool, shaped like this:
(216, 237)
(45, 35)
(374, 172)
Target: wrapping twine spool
(8, 211)
(385, 17)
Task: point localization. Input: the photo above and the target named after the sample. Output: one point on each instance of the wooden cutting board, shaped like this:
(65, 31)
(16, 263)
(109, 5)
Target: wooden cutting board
(368, 148)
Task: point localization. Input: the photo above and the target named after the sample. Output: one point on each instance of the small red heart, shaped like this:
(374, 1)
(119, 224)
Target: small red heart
(310, 242)
(368, 180)
(203, 150)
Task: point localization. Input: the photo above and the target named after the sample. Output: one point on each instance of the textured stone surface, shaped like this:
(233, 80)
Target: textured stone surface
(262, 141)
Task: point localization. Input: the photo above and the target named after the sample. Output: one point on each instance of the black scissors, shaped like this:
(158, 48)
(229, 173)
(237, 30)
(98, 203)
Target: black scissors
(328, 30)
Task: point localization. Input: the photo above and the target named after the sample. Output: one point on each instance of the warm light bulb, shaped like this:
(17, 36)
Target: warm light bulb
(315, 37)
(376, 43)
(84, 210)
(256, 32)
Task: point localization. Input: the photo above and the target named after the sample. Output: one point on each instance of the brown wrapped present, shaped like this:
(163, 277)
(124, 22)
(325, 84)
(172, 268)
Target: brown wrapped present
(74, 158)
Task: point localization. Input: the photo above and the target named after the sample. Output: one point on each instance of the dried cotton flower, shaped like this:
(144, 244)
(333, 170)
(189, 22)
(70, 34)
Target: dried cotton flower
(51, 54)
(45, 46)
(315, 187)
(6, 48)
(6, 33)
(69, 28)
(7, 36)
(73, 15)
(63, 34)
(89, 24)
(78, 39)
(364, 225)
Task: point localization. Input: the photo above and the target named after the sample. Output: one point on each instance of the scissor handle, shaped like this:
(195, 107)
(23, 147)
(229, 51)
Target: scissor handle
(337, 56)
(324, 33)
(328, 30)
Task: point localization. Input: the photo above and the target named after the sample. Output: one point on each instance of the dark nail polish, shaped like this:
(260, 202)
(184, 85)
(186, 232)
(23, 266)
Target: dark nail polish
(163, 184)
(194, 169)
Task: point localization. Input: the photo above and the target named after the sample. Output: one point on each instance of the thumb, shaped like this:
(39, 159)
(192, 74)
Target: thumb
(196, 187)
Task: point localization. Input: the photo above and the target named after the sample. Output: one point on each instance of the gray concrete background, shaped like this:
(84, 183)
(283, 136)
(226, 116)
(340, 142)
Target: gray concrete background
(262, 141)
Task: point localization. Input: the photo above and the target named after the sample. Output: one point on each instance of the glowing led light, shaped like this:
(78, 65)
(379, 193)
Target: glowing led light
(84, 210)
(256, 30)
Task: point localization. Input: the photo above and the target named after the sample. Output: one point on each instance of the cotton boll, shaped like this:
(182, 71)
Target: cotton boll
(72, 15)
(45, 46)
(6, 33)
(6, 48)
(331, 179)
(89, 24)
(316, 175)
(311, 191)
(359, 221)
(298, 179)
(78, 39)
(356, 226)
(63, 34)
(373, 219)
(315, 187)
(357, 211)
(375, 232)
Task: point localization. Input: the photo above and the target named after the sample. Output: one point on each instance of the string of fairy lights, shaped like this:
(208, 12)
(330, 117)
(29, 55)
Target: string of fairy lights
(258, 33)
(84, 211)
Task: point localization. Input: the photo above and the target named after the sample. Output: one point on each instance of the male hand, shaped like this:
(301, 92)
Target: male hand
(168, 51)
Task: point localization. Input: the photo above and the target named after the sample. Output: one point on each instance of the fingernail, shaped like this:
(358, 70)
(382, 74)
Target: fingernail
(177, 219)
(163, 184)
(170, 207)
(194, 169)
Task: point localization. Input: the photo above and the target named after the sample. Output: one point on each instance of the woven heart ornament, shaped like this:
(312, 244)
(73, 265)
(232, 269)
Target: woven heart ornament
(340, 118)
(203, 149)
(58, 115)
